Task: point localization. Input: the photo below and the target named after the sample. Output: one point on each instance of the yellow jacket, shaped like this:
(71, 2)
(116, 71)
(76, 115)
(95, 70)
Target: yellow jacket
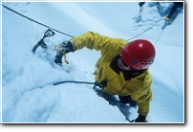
(138, 87)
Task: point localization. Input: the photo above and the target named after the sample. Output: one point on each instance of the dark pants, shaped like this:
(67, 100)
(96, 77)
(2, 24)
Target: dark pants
(127, 100)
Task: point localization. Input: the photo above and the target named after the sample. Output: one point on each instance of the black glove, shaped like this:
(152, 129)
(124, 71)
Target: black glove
(127, 99)
(97, 84)
(140, 118)
(63, 48)
(102, 84)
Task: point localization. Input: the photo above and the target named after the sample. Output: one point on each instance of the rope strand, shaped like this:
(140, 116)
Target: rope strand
(69, 34)
(146, 29)
(37, 21)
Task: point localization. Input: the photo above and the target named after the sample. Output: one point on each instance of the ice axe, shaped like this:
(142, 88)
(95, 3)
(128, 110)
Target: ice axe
(41, 43)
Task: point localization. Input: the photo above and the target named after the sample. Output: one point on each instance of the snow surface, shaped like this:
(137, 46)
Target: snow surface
(23, 74)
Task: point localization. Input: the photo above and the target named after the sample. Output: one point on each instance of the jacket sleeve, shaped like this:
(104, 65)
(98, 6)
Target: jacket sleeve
(143, 97)
(96, 41)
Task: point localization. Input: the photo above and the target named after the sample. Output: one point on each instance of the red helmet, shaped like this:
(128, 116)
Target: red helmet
(138, 54)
